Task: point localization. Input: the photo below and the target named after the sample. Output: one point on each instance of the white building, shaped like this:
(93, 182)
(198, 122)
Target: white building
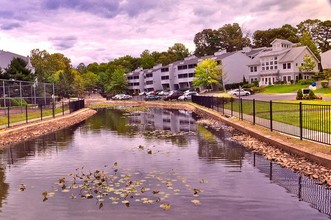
(6, 58)
(326, 59)
(280, 63)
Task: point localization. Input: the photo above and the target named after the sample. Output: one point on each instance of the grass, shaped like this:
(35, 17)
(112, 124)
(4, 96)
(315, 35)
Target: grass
(315, 117)
(325, 91)
(32, 114)
(283, 88)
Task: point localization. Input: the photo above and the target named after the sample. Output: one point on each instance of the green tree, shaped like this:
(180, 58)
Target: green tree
(17, 70)
(207, 42)
(179, 51)
(81, 68)
(118, 82)
(263, 38)
(208, 74)
(90, 80)
(308, 64)
(232, 38)
(147, 61)
(306, 40)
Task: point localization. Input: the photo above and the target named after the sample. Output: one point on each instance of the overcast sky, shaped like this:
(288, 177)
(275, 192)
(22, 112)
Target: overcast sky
(101, 30)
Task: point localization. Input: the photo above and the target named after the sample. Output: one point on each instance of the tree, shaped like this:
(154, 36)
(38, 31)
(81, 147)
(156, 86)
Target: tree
(179, 51)
(207, 42)
(263, 38)
(147, 61)
(207, 74)
(232, 38)
(118, 82)
(306, 40)
(90, 80)
(308, 64)
(17, 70)
(81, 68)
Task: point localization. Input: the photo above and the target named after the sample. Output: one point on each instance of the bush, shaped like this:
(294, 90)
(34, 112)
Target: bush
(256, 83)
(299, 95)
(305, 81)
(325, 84)
(312, 95)
(247, 86)
(17, 102)
(255, 89)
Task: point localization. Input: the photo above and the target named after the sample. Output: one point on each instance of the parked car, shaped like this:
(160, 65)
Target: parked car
(238, 92)
(152, 97)
(187, 95)
(173, 95)
(121, 97)
(163, 93)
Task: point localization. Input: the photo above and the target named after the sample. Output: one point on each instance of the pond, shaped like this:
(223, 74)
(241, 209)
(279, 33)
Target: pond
(156, 164)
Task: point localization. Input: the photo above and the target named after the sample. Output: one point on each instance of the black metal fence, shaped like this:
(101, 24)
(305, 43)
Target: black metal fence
(16, 115)
(306, 121)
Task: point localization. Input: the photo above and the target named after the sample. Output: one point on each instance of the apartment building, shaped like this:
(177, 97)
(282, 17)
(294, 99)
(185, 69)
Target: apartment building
(280, 63)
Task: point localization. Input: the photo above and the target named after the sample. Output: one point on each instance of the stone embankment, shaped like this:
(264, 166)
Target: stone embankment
(25, 132)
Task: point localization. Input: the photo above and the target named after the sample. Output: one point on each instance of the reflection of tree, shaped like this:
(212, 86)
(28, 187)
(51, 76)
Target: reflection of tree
(213, 145)
(112, 119)
(42, 145)
(3, 186)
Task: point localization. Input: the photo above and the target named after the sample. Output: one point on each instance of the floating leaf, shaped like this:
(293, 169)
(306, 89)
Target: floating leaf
(203, 181)
(100, 205)
(196, 202)
(143, 190)
(22, 187)
(156, 191)
(149, 151)
(141, 147)
(115, 164)
(165, 206)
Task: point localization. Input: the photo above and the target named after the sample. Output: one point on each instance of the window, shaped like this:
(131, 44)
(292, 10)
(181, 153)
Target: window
(275, 58)
(263, 68)
(165, 69)
(288, 65)
(130, 77)
(149, 75)
(190, 66)
(180, 76)
(149, 83)
(191, 75)
(276, 67)
(271, 67)
(164, 77)
(252, 69)
(255, 68)
(284, 66)
(267, 68)
(183, 67)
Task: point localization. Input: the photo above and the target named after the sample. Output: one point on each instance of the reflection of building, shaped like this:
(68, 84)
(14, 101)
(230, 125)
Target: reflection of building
(163, 119)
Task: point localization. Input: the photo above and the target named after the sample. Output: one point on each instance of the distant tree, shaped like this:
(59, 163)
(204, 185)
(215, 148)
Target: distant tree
(90, 80)
(17, 69)
(179, 51)
(128, 62)
(308, 64)
(207, 42)
(166, 58)
(263, 38)
(232, 38)
(81, 68)
(118, 82)
(306, 40)
(147, 61)
(93, 67)
(208, 74)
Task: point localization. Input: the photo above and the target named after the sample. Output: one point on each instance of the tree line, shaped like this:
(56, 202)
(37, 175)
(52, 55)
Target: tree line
(110, 78)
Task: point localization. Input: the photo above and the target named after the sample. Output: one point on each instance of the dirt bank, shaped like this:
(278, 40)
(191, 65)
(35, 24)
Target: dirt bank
(25, 132)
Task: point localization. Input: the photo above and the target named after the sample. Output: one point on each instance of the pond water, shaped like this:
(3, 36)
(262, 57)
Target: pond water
(143, 160)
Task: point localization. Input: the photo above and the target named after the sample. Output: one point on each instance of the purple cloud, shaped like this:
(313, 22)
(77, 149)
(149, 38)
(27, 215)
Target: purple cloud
(10, 26)
(63, 43)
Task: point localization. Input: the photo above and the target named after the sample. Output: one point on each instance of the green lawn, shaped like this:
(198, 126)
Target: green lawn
(324, 91)
(32, 114)
(283, 88)
(315, 117)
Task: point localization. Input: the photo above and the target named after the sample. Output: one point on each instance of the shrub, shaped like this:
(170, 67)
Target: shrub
(255, 89)
(256, 83)
(312, 95)
(17, 102)
(299, 95)
(247, 86)
(305, 81)
(325, 84)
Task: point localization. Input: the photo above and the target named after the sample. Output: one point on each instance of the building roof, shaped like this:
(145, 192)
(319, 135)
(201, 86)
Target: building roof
(282, 41)
(292, 54)
(256, 51)
(6, 58)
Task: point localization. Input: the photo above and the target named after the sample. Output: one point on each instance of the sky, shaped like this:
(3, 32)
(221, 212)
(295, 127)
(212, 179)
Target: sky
(102, 30)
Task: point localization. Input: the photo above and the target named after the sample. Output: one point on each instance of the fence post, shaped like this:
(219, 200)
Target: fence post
(41, 112)
(26, 113)
(53, 109)
(241, 110)
(231, 99)
(8, 110)
(253, 111)
(62, 108)
(300, 118)
(271, 115)
(223, 100)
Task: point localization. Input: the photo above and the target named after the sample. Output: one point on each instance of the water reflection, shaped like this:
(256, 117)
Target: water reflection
(3, 186)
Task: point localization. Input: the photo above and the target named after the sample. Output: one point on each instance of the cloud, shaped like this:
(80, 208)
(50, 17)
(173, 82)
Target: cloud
(10, 26)
(63, 43)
